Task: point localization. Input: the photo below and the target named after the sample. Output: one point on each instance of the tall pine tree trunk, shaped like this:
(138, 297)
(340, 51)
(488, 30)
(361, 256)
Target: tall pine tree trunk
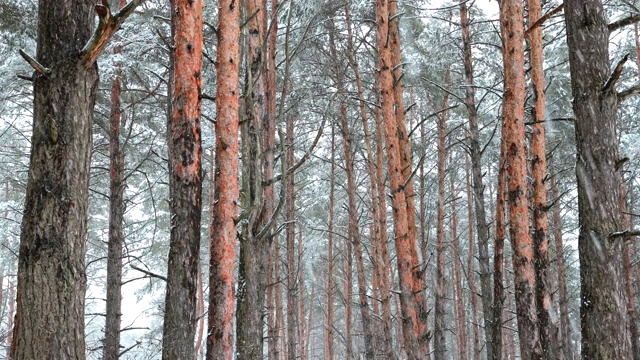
(226, 188)
(603, 310)
(512, 28)
(51, 268)
(185, 180)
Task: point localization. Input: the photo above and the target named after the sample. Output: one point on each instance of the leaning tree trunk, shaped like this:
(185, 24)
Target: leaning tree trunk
(512, 28)
(603, 310)
(51, 268)
(226, 192)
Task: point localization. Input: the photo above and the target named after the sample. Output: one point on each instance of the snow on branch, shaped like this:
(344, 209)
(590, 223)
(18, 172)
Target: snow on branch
(34, 63)
(108, 24)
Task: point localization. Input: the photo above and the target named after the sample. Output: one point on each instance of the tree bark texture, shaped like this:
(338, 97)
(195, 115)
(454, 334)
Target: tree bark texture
(111, 350)
(478, 187)
(471, 279)
(49, 321)
(329, 353)
(461, 317)
(512, 29)
(603, 302)
(413, 319)
(185, 181)
(548, 329)
(226, 188)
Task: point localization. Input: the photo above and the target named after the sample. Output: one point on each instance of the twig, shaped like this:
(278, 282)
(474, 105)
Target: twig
(624, 94)
(626, 233)
(153, 275)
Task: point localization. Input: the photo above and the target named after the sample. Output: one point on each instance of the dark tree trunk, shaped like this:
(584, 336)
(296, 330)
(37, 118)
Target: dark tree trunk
(563, 301)
(478, 188)
(51, 269)
(185, 181)
(603, 302)
(111, 349)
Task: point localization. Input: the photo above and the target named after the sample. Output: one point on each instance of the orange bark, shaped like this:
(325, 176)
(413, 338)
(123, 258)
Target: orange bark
(413, 323)
(539, 173)
(185, 162)
(512, 28)
(223, 239)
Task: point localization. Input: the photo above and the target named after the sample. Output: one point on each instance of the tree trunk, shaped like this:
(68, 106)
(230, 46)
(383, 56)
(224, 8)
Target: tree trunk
(498, 252)
(565, 329)
(406, 168)
(49, 320)
(185, 181)
(111, 350)
(292, 272)
(353, 229)
(11, 300)
(512, 28)
(548, 330)
(478, 187)
(439, 340)
(603, 310)
(413, 319)
(226, 192)
(473, 294)
(329, 352)
(461, 318)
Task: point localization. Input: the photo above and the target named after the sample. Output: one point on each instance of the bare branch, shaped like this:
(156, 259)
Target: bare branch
(624, 94)
(543, 18)
(615, 76)
(624, 234)
(149, 273)
(108, 24)
(34, 63)
(623, 22)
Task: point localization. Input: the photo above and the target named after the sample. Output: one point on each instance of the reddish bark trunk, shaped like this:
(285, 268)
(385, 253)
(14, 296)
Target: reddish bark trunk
(473, 294)
(461, 318)
(498, 254)
(512, 28)
(225, 211)
(329, 352)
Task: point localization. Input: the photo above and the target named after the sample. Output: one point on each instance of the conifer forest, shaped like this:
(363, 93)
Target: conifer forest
(319, 179)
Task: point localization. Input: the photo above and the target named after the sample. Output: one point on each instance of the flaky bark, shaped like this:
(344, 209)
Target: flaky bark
(548, 329)
(498, 252)
(512, 28)
(409, 271)
(185, 180)
(603, 310)
(226, 188)
(51, 269)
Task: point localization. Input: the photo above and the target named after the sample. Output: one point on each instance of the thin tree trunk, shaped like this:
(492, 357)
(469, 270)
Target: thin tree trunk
(471, 278)
(548, 330)
(329, 352)
(461, 318)
(498, 252)
(11, 300)
(292, 271)
(439, 340)
(603, 310)
(512, 28)
(353, 229)
(478, 188)
(305, 352)
(111, 350)
(565, 329)
(226, 192)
